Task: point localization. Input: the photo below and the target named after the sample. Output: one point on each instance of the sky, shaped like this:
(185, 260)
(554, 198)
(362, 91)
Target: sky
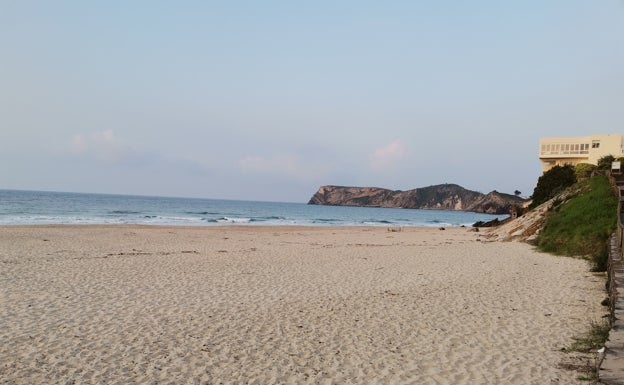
(269, 100)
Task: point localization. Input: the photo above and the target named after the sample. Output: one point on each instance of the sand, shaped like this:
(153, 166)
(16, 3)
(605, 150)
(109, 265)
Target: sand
(286, 305)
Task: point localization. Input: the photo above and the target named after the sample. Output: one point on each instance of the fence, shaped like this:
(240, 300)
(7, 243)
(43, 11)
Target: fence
(610, 368)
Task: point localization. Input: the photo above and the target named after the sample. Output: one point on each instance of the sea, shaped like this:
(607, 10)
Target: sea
(18, 207)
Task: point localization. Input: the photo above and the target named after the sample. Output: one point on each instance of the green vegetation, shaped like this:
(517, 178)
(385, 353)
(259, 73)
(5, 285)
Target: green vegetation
(594, 339)
(604, 163)
(589, 342)
(551, 183)
(584, 170)
(582, 225)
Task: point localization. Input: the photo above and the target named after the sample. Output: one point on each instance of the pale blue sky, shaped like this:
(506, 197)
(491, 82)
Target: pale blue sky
(268, 100)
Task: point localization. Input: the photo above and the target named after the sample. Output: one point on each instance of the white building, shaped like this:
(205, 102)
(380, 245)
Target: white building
(579, 149)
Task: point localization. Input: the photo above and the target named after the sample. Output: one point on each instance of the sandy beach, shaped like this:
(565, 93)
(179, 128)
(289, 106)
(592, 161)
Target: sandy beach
(286, 305)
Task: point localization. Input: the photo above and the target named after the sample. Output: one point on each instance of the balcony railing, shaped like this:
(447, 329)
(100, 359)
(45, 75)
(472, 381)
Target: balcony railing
(559, 153)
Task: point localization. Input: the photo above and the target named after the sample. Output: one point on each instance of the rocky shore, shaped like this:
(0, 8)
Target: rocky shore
(438, 197)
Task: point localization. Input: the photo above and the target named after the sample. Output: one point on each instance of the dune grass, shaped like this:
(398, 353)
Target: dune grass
(582, 225)
(593, 339)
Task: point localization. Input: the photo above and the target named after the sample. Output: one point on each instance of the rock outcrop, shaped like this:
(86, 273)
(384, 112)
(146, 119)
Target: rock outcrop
(438, 197)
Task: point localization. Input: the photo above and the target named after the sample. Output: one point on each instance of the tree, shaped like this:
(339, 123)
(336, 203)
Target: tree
(604, 163)
(551, 183)
(517, 193)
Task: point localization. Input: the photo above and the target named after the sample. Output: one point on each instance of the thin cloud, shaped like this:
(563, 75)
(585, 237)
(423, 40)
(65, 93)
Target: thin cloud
(101, 146)
(281, 165)
(387, 156)
(104, 148)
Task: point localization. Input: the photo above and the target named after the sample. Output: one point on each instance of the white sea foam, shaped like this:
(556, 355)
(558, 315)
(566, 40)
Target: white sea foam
(233, 220)
(172, 220)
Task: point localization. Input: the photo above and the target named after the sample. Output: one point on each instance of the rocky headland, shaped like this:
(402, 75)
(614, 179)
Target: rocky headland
(438, 197)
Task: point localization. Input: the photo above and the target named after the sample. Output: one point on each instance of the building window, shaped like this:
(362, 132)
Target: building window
(595, 144)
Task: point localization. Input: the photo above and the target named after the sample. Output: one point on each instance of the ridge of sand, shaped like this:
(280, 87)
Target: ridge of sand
(285, 305)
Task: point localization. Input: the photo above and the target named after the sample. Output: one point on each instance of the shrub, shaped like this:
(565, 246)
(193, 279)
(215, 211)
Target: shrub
(551, 183)
(583, 170)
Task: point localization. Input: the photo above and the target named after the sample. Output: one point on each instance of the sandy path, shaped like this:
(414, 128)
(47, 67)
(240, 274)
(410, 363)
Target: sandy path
(262, 305)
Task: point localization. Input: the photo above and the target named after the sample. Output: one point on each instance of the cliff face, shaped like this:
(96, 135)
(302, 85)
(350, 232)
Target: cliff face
(439, 197)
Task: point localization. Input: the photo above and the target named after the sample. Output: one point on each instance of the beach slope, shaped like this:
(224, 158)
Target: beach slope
(285, 305)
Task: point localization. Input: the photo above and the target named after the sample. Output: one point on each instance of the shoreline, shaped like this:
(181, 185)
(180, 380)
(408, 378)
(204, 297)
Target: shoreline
(286, 304)
(243, 225)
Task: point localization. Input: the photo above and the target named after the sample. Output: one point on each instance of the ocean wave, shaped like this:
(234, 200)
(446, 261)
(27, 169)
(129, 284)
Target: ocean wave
(324, 220)
(124, 212)
(233, 220)
(170, 220)
(374, 222)
(438, 224)
(202, 213)
(271, 218)
(52, 219)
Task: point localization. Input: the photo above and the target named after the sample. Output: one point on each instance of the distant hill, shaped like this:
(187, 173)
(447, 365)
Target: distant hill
(438, 197)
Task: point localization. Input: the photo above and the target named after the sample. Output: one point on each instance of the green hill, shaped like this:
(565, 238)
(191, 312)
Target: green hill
(582, 225)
